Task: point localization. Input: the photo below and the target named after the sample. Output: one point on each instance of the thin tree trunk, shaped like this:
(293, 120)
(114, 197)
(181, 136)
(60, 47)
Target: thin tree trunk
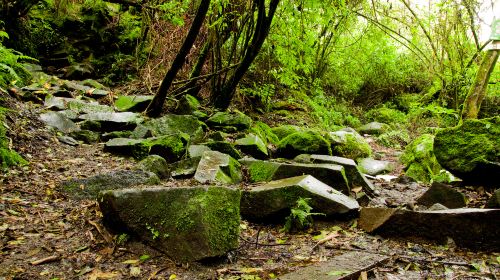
(224, 97)
(473, 101)
(155, 107)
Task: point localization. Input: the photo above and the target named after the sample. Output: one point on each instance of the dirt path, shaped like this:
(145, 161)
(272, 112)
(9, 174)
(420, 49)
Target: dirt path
(45, 235)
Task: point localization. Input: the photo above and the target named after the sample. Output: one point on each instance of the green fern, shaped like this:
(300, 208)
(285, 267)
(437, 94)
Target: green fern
(300, 217)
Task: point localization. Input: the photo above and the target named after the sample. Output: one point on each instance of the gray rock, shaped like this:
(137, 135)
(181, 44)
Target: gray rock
(187, 224)
(355, 178)
(252, 145)
(82, 107)
(442, 194)
(437, 207)
(346, 266)
(349, 145)
(468, 227)
(374, 167)
(197, 150)
(373, 128)
(276, 198)
(330, 174)
(114, 121)
(59, 121)
(155, 164)
(88, 188)
(116, 134)
(133, 103)
(185, 168)
(68, 140)
(53, 102)
(218, 167)
(494, 201)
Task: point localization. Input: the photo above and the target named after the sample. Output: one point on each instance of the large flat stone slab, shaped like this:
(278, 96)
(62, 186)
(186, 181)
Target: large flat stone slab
(59, 121)
(173, 124)
(89, 188)
(114, 121)
(170, 147)
(473, 228)
(354, 176)
(186, 223)
(345, 266)
(264, 171)
(216, 167)
(276, 198)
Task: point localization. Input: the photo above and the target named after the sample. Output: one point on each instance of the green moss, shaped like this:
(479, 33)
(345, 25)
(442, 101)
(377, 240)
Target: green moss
(471, 150)
(421, 163)
(394, 139)
(308, 142)
(225, 148)
(285, 130)
(225, 119)
(8, 157)
(353, 148)
(264, 132)
(387, 115)
(262, 171)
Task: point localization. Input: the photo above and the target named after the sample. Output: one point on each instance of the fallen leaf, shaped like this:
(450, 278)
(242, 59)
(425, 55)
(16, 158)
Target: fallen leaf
(135, 271)
(131, 261)
(338, 272)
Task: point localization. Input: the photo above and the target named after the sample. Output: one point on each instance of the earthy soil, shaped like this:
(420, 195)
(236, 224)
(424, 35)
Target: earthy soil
(46, 235)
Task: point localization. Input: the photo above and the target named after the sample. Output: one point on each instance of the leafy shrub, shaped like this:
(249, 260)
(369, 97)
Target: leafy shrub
(11, 70)
(8, 157)
(394, 139)
(386, 115)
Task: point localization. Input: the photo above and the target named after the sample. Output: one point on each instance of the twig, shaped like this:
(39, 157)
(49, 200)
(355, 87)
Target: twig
(261, 244)
(257, 238)
(52, 258)
(104, 234)
(327, 238)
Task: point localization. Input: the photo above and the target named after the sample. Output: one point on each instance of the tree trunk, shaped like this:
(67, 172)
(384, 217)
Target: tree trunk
(224, 97)
(155, 107)
(476, 94)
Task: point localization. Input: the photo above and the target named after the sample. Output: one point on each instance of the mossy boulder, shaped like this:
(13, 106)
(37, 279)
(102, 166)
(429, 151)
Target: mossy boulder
(252, 145)
(197, 150)
(155, 164)
(419, 159)
(86, 136)
(350, 145)
(187, 105)
(170, 147)
(471, 150)
(185, 168)
(494, 201)
(133, 103)
(173, 124)
(89, 188)
(307, 142)
(264, 132)
(82, 107)
(221, 120)
(259, 170)
(216, 167)
(224, 147)
(285, 130)
(274, 200)
(186, 223)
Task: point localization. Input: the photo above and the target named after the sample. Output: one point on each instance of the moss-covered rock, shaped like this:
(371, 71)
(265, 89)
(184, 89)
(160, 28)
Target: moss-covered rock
(216, 167)
(264, 132)
(197, 150)
(224, 147)
(419, 159)
(86, 136)
(82, 107)
(89, 188)
(285, 130)
(170, 147)
(188, 224)
(275, 199)
(221, 120)
(173, 124)
(155, 164)
(494, 201)
(185, 168)
(350, 145)
(187, 105)
(471, 151)
(259, 170)
(252, 145)
(307, 142)
(132, 103)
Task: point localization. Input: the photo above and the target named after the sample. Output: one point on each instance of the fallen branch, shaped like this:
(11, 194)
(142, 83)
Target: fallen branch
(327, 238)
(262, 244)
(52, 258)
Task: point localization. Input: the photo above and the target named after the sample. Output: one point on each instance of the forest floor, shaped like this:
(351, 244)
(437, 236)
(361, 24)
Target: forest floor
(46, 235)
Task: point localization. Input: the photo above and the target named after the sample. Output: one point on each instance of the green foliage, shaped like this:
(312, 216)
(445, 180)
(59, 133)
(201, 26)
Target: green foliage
(8, 157)
(300, 217)
(387, 115)
(394, 139)
(11, 69)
